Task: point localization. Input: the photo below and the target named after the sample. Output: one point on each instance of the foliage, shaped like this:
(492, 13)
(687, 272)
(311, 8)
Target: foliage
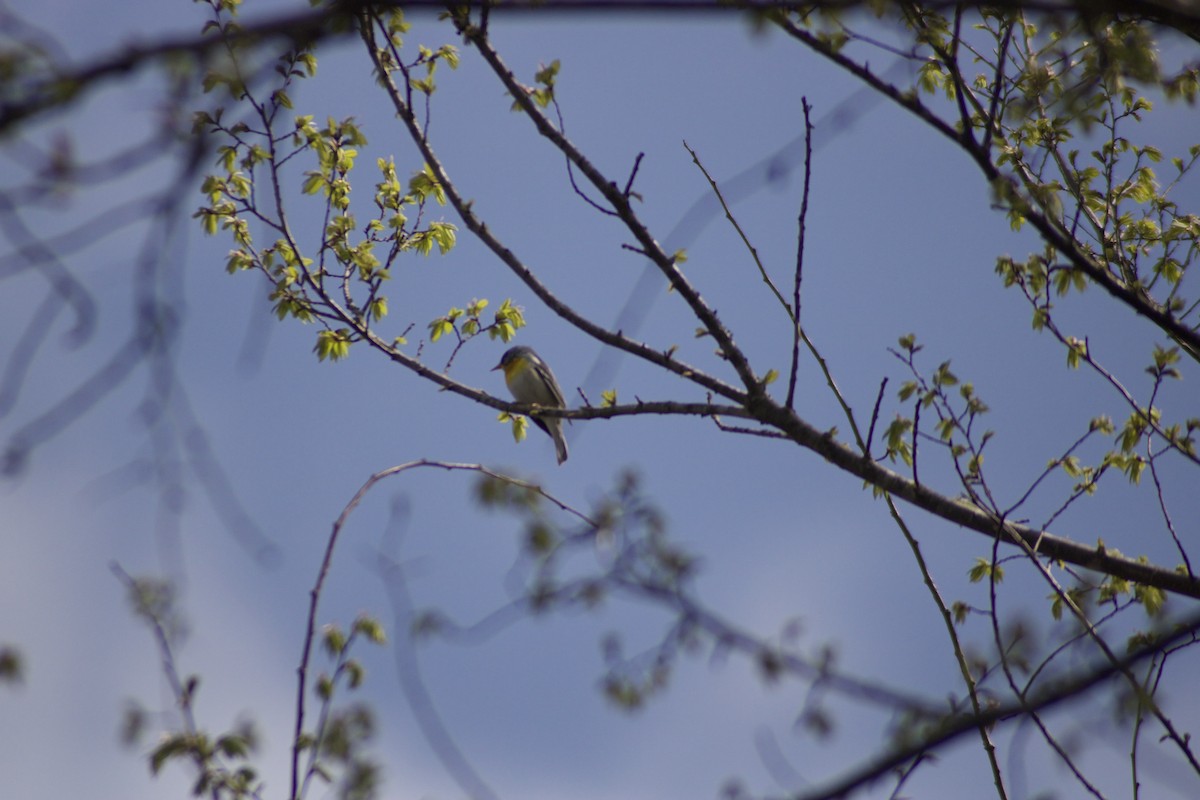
(1046, 105)
(336, 744)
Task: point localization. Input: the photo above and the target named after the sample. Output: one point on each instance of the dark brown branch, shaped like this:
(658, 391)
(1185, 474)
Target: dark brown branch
(962, 513)
(801, 225)
(968, 723)
(874, 417)
(473, 223)
(67, 85)
(1051, 232)
(624, 210)
(757, 404)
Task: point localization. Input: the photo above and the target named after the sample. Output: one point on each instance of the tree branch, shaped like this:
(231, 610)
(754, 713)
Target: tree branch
(1053, 696)
(622, 206)
(962, 513)
(473, 223)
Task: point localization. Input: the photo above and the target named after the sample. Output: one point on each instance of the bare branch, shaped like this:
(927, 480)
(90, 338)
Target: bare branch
(801, 227)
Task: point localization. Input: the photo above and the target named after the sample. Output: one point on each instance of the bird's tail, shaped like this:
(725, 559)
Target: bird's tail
(560, 441)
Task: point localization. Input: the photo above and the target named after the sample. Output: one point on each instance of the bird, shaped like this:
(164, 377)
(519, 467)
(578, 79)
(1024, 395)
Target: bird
(530, 380)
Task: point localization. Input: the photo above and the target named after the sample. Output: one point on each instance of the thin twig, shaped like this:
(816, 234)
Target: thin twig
(1078, 683)
(762, 271)
(327, 562)
(801, 226)
(960, 655)
(637, 163)
(875, 416)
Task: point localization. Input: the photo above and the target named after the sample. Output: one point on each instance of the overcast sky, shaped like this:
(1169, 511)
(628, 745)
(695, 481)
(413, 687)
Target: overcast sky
(901, 238)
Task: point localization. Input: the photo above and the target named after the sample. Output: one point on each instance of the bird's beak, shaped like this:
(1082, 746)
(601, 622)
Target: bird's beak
(498, 366)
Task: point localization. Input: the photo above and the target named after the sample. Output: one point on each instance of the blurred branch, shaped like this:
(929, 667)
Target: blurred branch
(1058, 693)
(420, 701)
(302, 688)
(221, 761)
(66, 84)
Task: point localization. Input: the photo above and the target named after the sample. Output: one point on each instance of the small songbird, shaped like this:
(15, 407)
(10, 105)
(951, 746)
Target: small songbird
(531, 381)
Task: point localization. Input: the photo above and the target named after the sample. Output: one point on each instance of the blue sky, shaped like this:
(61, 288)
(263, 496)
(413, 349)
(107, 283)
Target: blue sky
(900, 238)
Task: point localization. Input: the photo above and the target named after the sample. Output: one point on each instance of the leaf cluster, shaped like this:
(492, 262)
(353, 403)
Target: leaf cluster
(338, 743)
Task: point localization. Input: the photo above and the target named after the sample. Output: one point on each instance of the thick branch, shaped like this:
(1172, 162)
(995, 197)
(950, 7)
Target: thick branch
(1051, 232)
(69, 85)
(755, 404)
(876, 768)
(473, 223)
(969, 516)
(621, 205)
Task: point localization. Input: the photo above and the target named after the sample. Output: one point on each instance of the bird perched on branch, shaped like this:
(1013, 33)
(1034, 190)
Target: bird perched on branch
(531, 381)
